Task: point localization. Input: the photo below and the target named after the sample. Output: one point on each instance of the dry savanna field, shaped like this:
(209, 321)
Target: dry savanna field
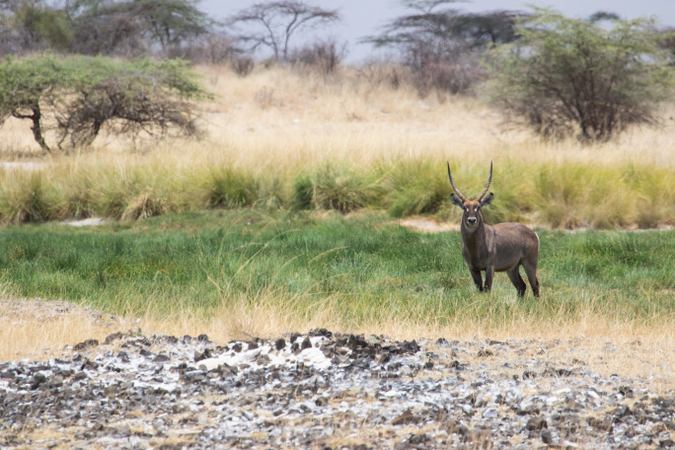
(363, 148)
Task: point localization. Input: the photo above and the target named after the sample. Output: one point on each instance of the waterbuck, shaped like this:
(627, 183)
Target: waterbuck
(502, 248)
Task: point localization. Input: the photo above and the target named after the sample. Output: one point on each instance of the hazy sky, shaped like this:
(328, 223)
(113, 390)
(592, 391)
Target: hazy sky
(363, 17)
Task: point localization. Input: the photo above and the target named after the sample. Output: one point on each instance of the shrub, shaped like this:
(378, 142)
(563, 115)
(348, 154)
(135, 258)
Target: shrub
(382, 73)
(323, 56)
(576, 195)
(653, 193)
(272, 193)
(667, 43)
(242, 65)
(453, 77)
(572, 77)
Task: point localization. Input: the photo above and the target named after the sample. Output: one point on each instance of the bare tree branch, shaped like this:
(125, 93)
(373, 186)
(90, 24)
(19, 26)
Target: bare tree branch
(277, 22)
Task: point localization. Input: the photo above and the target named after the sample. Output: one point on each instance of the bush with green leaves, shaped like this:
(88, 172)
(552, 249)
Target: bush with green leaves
(78, 96)
(569, 77)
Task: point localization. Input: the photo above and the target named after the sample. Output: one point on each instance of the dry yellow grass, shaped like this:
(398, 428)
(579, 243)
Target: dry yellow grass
(35, 329)
(275, 118)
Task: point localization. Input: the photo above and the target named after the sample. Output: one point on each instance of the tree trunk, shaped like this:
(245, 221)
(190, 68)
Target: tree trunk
(37, 131)
(37, 128)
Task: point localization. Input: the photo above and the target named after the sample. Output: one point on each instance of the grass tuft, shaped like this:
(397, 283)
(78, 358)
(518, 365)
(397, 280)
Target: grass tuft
(144, 206)
(229, 189)
(26, 199)
(340, 189)
(415, 187)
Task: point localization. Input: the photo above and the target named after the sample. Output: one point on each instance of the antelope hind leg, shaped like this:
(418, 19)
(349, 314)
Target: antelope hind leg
(517, 280)
(531, 273)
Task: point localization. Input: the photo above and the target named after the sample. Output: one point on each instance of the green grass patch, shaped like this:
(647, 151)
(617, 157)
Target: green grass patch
(367, 268)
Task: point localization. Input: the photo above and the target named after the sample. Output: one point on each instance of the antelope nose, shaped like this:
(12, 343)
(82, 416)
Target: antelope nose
(471, 220)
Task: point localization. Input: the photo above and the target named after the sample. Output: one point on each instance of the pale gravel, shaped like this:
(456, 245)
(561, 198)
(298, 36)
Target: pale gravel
(326, 390)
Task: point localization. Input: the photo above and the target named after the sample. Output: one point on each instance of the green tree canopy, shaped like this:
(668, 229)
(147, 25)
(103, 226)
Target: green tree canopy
(77, 96)
(100, 27)
(133, 27)
(30, 25)
(573, 77)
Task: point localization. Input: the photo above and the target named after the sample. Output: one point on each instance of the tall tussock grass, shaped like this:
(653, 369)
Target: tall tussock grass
(228, 189)
(334, 187)
(415, 187)
(344, 143)
(23, 198)
(555, 195)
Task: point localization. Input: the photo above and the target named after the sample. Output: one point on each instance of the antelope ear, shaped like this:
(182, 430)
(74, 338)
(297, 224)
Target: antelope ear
(487, 200)
(456, 201)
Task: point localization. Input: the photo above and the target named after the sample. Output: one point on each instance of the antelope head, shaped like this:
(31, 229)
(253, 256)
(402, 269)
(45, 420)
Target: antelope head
(472, 216)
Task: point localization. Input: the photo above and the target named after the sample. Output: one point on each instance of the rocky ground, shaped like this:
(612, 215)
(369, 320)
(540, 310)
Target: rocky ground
(326, 390)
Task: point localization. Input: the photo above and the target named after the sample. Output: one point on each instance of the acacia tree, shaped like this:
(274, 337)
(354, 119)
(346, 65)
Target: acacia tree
(274, 23)
(667, 43)
(79, 96)
(32, 25)
(440, 44)
(573, 77)
(100, 27)
(25, 87)
(134, 27)
(432, 20)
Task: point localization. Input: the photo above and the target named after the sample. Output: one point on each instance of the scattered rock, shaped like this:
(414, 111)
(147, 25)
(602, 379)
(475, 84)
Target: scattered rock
(306, 343)
(170, 393)
(85, 345)
(280, 344)
(536, 424)
(406, 418)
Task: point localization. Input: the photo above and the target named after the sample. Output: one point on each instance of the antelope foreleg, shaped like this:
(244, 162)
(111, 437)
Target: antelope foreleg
(477, 278)
(489, 276)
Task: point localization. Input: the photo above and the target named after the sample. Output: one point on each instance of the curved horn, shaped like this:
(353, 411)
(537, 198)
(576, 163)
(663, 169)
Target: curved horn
(487, 186)
(459, 194)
